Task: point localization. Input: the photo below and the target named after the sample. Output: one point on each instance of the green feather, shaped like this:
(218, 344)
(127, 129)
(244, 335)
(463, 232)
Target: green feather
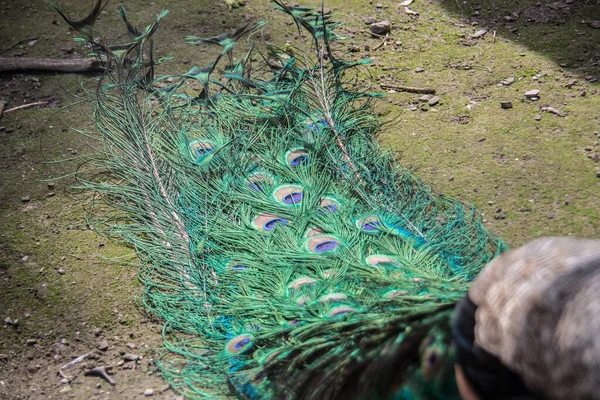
(287, 255)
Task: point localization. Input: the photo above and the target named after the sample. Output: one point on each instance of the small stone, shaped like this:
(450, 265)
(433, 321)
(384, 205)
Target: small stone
(381, 28)
(434, 100)
(369, 20)
(425, 98)
(60, 271)
(66, 389)
(419, 70)
(131, 346)
(102, 345)
(597, 174)
(8, 321)
(32, 369)
(532, 93)
(555, 111)
(148, 392)
(490, 203)
(506, 105)
(24, 259)
(480, 33)
(131, 357)
(379, 5)
(508, 81)
(25, 199)
(594, 24)
(97, 332)
(64, 381)
(31, 342)
(120, 363)
(354, 48)
(51, 194)
(98, 385)
(538, 117)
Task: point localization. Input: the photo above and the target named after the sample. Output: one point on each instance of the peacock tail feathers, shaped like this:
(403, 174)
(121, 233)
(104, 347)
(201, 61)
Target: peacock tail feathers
(287, 255)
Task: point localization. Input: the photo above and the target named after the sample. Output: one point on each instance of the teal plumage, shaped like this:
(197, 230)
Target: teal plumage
(286, 254)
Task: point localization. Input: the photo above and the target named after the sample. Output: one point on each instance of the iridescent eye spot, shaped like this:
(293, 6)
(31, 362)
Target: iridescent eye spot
(326, 246)
(333, 298)
(200, 149)
(293, 198)
(268, 222)
(382, 260)
(323, 244)
(300, 160)
(329, 205)
(239, 267)
(300, 282)
(269, 226)
(289, 195)
(395, 293)
(339, 311)
(297, 158)
(239, 344)
(259, 182)
(369, 224)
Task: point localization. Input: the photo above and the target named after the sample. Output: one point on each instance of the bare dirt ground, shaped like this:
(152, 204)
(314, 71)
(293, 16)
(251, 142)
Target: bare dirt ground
(533, 168)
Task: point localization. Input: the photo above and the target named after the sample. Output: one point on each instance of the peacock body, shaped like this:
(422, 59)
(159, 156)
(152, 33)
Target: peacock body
(288, 256)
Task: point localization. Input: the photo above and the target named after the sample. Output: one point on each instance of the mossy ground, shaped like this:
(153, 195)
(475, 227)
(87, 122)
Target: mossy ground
(531, 172)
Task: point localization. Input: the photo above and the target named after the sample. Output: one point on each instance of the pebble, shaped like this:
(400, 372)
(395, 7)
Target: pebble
(97, 331)
(131, 357)
(538, 117)
(51, 185)
(425, 98)
(131, 346)
(102, 345)
(479, 33)
(64, 381)
(594, 24)
(148, 392)
(434, 100)
(61, 271)
(419, 69)
(508, 81)
(66, 389)
(506, 105)
(532, 93)
(597, 174)
(25, 199)
(381, 28)
(31, 342)
(369, 20)
(554, 111)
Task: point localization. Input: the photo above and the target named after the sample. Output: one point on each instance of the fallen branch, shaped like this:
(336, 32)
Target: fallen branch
(37, 103)
(74, 361)
(401, 88)
(49, 64)
(101, 372)
(383, 43)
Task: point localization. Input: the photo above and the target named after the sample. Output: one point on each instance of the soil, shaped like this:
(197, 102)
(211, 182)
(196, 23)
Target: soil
(64, 289)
